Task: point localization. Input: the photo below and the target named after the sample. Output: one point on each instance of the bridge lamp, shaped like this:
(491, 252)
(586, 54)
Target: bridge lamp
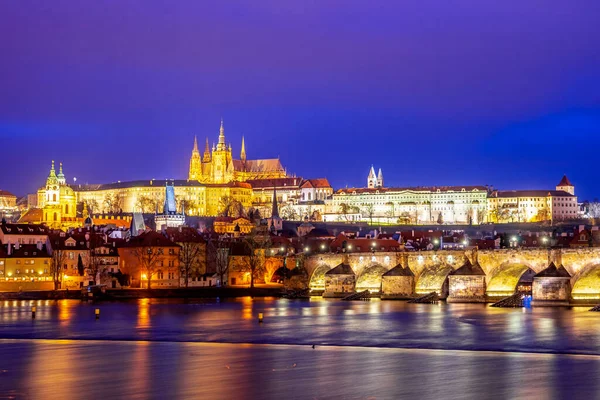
(282, 249)
(465, 242)
(306, 249)
(322, 247)
(514, 239)
(435, 241)
(349, 247)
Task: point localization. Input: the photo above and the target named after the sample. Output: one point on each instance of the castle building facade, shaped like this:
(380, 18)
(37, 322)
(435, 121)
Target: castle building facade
(420, 205)
(218, 166)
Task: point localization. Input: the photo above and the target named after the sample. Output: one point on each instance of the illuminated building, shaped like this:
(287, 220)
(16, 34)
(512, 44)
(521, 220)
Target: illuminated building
(419, 205)
(150, 254)
(58, 202)
(8, 203)
(534, 205)
(233, 226)
(219, 166)
(25, 266)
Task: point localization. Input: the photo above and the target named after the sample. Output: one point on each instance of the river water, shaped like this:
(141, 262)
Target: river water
(365, 350)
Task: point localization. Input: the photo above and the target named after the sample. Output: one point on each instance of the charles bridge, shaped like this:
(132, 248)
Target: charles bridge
(497, 273)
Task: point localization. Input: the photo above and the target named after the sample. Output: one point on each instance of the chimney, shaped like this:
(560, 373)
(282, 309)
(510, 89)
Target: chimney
(17, 245)
(39, 246)
(87, 236)
(8, 249)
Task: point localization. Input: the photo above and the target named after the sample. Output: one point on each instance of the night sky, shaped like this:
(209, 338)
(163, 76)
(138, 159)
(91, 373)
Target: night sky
(434, 92)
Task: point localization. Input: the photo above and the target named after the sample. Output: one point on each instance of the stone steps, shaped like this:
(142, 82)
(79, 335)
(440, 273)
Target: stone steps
(430, 298)
(514, 301)
(365, 295)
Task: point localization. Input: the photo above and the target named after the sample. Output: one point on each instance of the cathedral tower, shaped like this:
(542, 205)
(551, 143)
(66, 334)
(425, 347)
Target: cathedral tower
(372, 178)
(195, 165)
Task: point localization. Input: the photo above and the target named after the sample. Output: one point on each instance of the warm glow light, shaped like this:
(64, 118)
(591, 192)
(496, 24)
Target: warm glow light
(465, 242)
(435, 241)
(306, 249)
(514, 238)
(144, 276)
(349, 247)
(282, 249)
(322, 247)
(9, 274)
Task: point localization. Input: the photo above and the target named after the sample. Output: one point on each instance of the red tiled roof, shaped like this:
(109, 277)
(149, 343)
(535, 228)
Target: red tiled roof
(185, 234)
(34, 215)
(565, 181)
(4, 193)
(149, 239)
(316, 183)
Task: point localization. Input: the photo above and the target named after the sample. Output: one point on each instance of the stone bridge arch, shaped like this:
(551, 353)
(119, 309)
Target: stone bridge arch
(317, 278)
(434, 278)
(586, 283)
(371, 277)
(503, 280)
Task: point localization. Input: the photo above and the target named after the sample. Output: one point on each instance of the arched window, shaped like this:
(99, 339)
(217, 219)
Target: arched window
(55, 217)
(54, 197)
(66, 208)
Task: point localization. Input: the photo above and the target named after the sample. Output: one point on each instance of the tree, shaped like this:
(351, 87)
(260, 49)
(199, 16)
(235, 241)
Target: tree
(95, 262)
(254, 259)
(404, 218)
(148, 258)
(230, 207)
(80, 266)
(594, 209)
(217, 258)
(344, 210)
(369, 212)
(390, 213)
(59, 257)
(113, 202)
(146, 204)
(440, 219)
(190, 259)
(288, 212)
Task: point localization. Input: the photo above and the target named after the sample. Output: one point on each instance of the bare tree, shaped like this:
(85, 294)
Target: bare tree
(593, 209)
(190, 259)
(288, 212)
(369, 212)
(390, 213)
(59, 257)
(113, 202)
(148, 259)
(217, 258)
(254, 260)
(230, 207)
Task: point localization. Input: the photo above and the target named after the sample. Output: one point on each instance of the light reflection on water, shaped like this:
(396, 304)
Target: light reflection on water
(140, 370)
(374, 323)
(495, 349)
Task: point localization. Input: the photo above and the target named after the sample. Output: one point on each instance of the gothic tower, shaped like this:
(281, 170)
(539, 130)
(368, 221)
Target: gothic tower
(221, 158)
(243, 151)
(379, 178)
(372, 178)
(195, 165)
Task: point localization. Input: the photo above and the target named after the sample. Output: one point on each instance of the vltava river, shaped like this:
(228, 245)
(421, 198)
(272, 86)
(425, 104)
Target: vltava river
(364, 350)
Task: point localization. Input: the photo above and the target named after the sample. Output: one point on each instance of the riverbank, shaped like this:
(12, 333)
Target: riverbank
(126, 294)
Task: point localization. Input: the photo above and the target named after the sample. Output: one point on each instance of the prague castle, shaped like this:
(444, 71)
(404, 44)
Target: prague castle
(220, 167)
(216, 181)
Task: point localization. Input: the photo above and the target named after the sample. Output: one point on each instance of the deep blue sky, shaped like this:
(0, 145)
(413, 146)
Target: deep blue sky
(434, 92)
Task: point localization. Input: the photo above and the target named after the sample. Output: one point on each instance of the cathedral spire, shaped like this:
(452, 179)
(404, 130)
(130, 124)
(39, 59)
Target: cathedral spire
(243, 151)
(206, 157)
(195, 144)
(221, 145)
